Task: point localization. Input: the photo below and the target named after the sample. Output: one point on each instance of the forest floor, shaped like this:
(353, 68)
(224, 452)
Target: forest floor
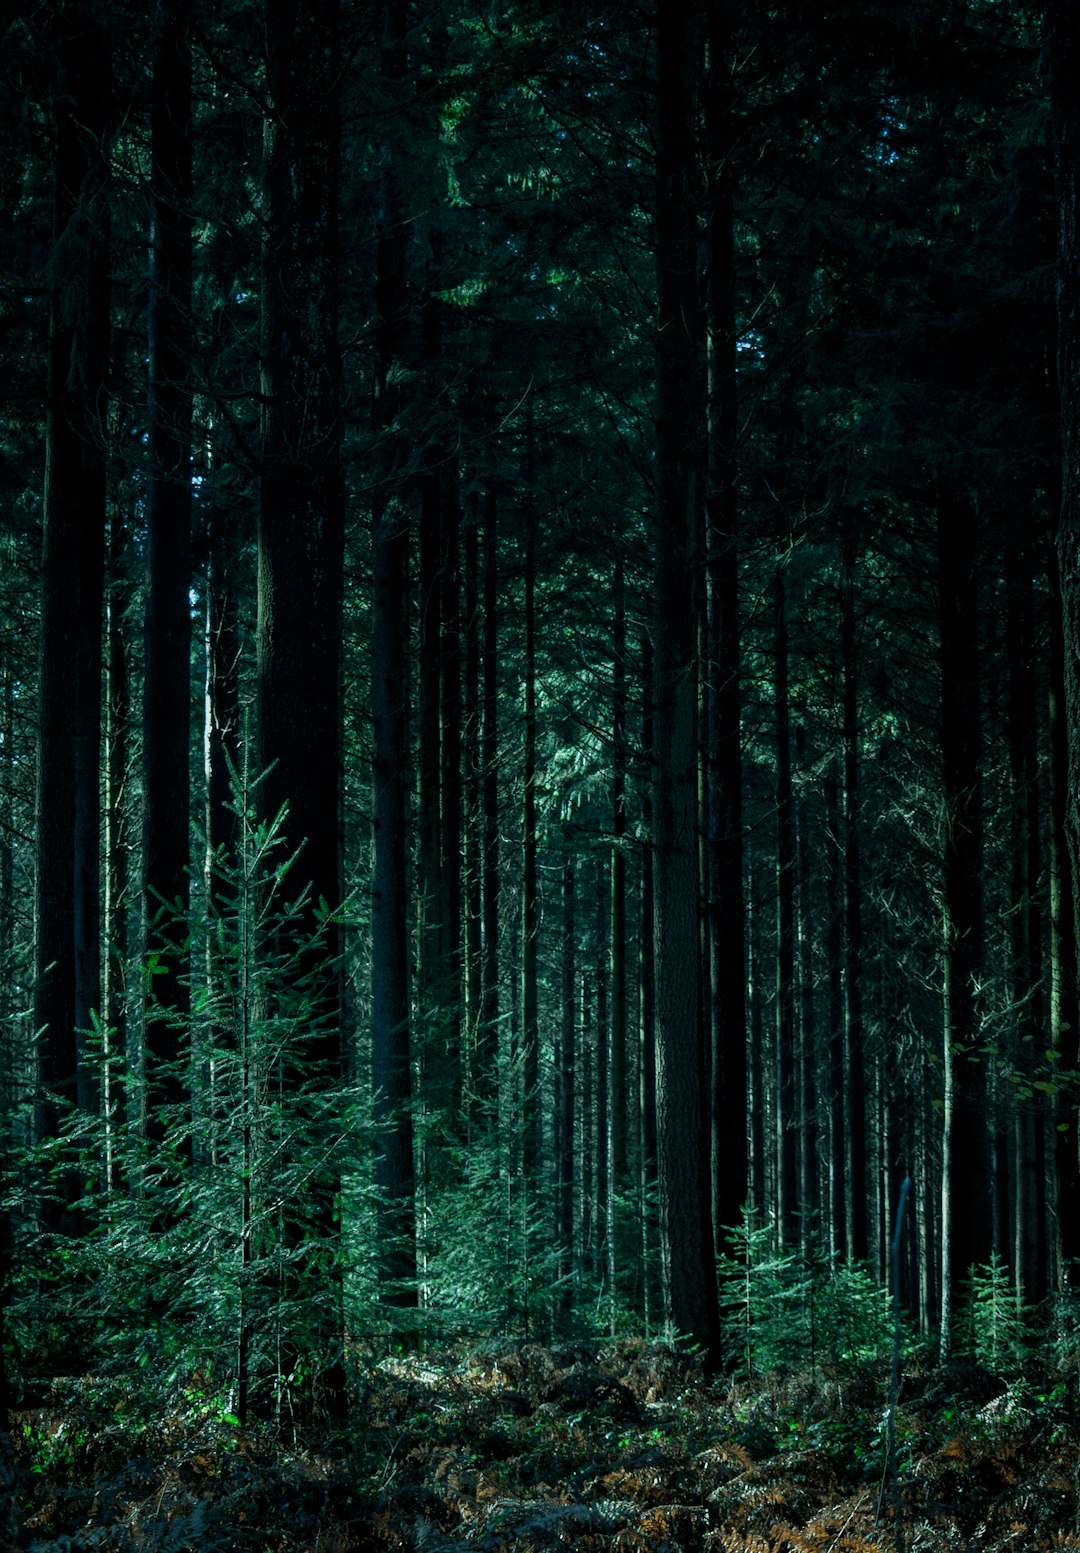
(622, 1447)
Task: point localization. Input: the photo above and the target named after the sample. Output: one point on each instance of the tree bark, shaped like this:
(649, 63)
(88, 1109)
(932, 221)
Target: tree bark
(687, 1262)
(167, 633)
(301, 562)
(67, 928)
(1063, 53)
(966, 1211)
(727, 914)
(390, 1025)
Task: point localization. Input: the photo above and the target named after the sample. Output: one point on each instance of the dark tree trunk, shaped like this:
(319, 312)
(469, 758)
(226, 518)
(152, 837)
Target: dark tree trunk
(390, 1030)
(301, 552)
(1028, 1119)
(788, 1206)
(614, 1037)
(967, 1161)
(117, 842)
(488, 1042)
(686, 1241)
(167, 637)
(1064, 1227)
(530, 921)
(472, 820)
(67, 928)
(726, 915)
(1063, 54)
(565, 1083)
(855, 1234)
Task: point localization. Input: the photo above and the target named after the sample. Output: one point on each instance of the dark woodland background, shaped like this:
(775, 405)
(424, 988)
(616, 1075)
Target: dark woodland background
(539, 700)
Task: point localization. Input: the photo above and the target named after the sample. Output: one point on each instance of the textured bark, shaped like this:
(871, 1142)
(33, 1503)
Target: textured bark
(67, 978)
(167, 634)
(687, 1262)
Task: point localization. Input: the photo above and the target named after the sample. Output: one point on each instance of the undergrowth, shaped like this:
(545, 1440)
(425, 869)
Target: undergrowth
(514, 1446)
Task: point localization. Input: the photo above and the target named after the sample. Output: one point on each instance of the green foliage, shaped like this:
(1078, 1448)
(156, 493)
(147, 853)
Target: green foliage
(994, 1318)
(783, 1309)
(214, 1247)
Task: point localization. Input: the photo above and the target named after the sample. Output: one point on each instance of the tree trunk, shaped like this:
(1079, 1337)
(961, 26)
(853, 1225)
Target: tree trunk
(1063, 54)
(488, 1043)
(530, 921)
(167, 637)
(301, 570)
(390, 1031)
(726, 915)
(686, 1242)
(966, 1215)
(67, 984)
(565, 1083)
(117, 843)
(854, 1047)
(616, 1151)
(788, 1207)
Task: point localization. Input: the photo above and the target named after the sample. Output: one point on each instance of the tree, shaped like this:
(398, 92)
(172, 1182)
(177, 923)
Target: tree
(301, 537)
(689, 1279)
(167, 652)
(66, 987)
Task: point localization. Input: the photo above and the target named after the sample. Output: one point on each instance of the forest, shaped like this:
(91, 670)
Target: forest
(539, 774)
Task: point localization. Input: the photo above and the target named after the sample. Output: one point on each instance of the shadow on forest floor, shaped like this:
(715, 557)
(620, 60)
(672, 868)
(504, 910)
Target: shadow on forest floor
(621, 1447)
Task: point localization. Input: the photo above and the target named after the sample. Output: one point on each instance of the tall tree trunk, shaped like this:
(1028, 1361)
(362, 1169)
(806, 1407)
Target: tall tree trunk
(1064, 1229)
(788, 1207)
(565, 1084)
(966, 1215)
(390, 1029)
(301, 571)
(167, 637)
(726, 914)
(1063, 54)
(488, 1042)
(686, 1242)
(854, 1047)
(117, 843)
(472, 822)
(1028, 1131)
(66, 985)
(530, 919)
(616, 1150)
